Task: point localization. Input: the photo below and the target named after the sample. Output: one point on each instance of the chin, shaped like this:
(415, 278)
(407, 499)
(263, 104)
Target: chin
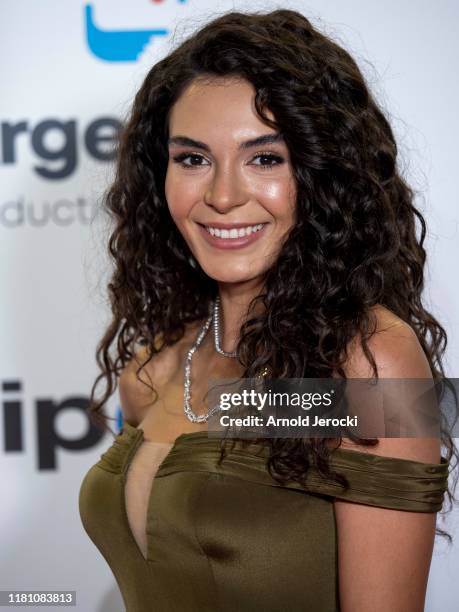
(230, 276)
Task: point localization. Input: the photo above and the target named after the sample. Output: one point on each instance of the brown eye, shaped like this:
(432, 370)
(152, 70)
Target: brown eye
(268, 160)
(195, 157)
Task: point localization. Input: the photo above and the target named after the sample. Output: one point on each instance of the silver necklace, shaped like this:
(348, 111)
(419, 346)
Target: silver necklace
(202, 418)
(218, 348)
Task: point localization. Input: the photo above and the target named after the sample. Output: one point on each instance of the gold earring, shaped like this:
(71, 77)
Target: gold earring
(266, 371)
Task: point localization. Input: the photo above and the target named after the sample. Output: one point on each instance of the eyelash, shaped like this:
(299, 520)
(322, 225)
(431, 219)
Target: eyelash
(182, 156)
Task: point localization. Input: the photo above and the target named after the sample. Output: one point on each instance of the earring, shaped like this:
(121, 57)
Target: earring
(266, 371)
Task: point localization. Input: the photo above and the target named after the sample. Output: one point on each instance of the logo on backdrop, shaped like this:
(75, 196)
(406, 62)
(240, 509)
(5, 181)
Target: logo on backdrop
(49, 442)
(59, 162)
(58, 146)
(118, 45)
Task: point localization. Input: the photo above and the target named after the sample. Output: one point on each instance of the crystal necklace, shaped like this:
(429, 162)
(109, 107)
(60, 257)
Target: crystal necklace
(214, 315)
(218, 348)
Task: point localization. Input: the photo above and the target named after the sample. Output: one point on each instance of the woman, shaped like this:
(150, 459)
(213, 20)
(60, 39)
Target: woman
(261, 226)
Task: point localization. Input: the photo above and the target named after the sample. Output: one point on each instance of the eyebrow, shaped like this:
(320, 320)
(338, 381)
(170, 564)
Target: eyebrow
(247, 144)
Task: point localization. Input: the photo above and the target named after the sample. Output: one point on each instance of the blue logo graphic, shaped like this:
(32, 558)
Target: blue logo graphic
(117, 45)
(119, 418)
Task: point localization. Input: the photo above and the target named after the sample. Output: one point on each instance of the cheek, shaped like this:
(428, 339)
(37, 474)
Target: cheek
(178, 197)
(279, 197)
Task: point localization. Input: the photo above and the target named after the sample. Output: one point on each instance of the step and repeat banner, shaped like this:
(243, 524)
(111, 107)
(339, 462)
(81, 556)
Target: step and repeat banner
(69, 72)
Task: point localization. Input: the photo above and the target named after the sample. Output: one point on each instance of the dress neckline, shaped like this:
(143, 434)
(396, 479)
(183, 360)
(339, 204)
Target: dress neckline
(186, 451)
(137, 438)
(340, 453)
(140, 433)
(154, 443)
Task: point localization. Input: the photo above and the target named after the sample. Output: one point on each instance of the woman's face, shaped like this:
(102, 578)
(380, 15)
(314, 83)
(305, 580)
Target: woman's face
(232, 199)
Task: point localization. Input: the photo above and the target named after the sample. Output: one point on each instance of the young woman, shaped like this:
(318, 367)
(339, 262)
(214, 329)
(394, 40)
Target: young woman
(261, 227)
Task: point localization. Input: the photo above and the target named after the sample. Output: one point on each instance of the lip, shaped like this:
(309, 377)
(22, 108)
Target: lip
(229, 226)
(231, 243)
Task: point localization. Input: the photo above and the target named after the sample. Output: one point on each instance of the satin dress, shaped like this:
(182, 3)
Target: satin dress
(186, 534)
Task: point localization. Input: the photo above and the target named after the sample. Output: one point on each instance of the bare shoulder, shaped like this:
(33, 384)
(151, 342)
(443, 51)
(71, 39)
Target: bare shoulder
(398, 354)
(134, 393)
(394, 346)
(145, 371)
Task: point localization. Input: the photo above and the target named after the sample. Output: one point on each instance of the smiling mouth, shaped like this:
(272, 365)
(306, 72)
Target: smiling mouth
(233, 232)
(236, 236)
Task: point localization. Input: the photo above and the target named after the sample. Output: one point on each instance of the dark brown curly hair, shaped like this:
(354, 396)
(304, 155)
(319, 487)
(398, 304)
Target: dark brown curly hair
(354, 244)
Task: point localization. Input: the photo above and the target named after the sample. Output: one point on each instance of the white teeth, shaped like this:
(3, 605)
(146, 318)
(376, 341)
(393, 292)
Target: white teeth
(234, 233)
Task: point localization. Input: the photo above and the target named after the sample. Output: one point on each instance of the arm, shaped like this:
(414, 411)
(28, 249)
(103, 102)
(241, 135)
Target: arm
(384, 555)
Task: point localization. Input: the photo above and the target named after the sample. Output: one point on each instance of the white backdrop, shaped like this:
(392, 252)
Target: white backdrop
(66, 80)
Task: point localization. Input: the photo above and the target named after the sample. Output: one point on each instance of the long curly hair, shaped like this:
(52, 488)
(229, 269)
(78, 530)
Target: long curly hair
(354, 244)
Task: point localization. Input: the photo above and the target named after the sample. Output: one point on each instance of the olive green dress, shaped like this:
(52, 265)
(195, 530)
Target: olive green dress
(228, 537)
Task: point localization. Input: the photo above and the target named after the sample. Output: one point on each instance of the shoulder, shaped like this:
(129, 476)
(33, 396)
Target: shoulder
(394, 346)
(397, 353)
(132, 391)
(145, 373)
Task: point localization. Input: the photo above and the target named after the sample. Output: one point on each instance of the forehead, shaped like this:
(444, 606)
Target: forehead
(222, 108)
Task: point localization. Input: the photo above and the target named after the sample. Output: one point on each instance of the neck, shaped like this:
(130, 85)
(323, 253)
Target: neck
(234, 302)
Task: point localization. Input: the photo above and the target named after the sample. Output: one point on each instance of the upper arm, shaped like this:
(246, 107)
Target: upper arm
(384, 555)
(383, 558)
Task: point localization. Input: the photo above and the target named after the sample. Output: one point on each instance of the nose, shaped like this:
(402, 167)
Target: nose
(225, 191)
